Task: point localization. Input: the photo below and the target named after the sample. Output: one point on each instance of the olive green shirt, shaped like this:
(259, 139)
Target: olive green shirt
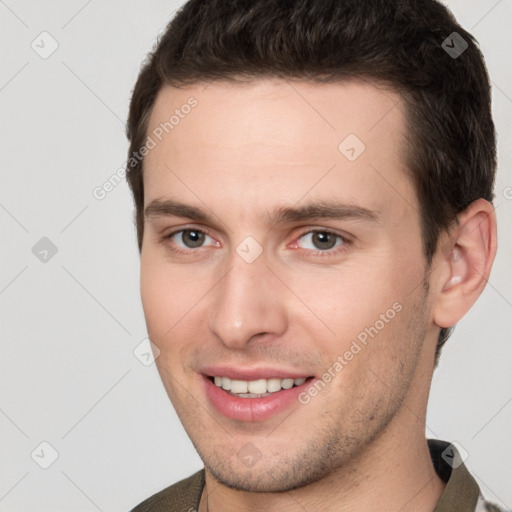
(461, 493)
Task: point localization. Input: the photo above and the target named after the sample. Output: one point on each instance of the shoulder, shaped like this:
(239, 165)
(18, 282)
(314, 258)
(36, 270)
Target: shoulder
(183, 496)
(462, 491)
(487, 506)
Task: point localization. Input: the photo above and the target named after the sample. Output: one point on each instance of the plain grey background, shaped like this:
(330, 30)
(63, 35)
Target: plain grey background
(69, 377)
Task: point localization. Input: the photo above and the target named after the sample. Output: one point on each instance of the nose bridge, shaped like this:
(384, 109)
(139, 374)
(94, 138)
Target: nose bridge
(245, 302)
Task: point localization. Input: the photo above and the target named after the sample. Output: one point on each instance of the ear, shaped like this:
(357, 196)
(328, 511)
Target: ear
(463, 264)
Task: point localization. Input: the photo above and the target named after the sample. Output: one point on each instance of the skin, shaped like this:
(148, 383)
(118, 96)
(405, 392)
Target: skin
(244, 151)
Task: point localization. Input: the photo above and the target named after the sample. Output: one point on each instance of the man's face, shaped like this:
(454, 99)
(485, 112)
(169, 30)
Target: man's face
(304, 261)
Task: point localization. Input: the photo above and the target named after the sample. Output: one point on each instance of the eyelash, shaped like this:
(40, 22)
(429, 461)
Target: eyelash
(345, 242)
(319, 253)
(179, 250)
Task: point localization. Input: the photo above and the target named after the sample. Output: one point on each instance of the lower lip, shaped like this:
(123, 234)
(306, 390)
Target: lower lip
(252, 409)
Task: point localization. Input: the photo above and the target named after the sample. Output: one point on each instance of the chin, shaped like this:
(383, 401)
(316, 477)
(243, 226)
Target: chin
(258, 482)
(281, 476)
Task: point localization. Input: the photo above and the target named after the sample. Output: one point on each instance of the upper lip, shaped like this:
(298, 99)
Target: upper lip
(248, 374)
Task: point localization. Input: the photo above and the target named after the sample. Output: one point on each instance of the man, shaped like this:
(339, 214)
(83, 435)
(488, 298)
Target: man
(313, 185)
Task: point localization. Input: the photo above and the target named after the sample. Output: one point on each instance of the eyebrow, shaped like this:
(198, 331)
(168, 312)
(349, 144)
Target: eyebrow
(326, 209)
(172, 208)
(322, 210)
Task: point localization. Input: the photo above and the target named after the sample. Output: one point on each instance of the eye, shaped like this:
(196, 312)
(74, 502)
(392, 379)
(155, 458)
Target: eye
(320, 240)
(189, 238)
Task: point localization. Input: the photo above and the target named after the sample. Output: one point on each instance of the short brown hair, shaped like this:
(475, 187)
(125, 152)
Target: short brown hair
(451, 144)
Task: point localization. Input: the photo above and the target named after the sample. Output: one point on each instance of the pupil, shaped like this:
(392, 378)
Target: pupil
(324, 240)
(192, 238)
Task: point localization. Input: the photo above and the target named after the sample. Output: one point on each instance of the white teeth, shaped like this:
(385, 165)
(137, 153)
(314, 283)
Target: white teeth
(253, 388)
(287, 383)
(239, 386)
(226, 383)
(252, 395)
(257, 386)
(273, 385)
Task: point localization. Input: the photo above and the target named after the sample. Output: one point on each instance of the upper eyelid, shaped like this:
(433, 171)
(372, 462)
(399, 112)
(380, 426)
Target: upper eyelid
(181, 230)
(343, 237)
(307, 231)
(323, 230)
(187, 228)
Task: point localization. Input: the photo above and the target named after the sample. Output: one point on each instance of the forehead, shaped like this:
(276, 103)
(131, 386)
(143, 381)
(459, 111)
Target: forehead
(309, 111)
(284, 137)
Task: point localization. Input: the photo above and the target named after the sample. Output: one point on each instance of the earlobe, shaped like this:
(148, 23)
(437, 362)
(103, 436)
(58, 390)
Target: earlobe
(465, 269)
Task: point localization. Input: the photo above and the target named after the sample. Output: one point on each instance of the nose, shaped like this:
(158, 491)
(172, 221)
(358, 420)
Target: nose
(247, 305)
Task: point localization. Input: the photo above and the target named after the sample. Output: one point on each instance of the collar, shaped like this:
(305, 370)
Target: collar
(461, 492)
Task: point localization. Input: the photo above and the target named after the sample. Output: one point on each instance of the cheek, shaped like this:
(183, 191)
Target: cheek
(364, 302)
(161, 297)
(164, 309)
(171, 298)
(153, 292)
(350, 298)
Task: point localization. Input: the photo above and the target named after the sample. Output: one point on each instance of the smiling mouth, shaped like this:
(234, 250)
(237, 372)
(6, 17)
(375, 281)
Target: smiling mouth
(256, 388)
